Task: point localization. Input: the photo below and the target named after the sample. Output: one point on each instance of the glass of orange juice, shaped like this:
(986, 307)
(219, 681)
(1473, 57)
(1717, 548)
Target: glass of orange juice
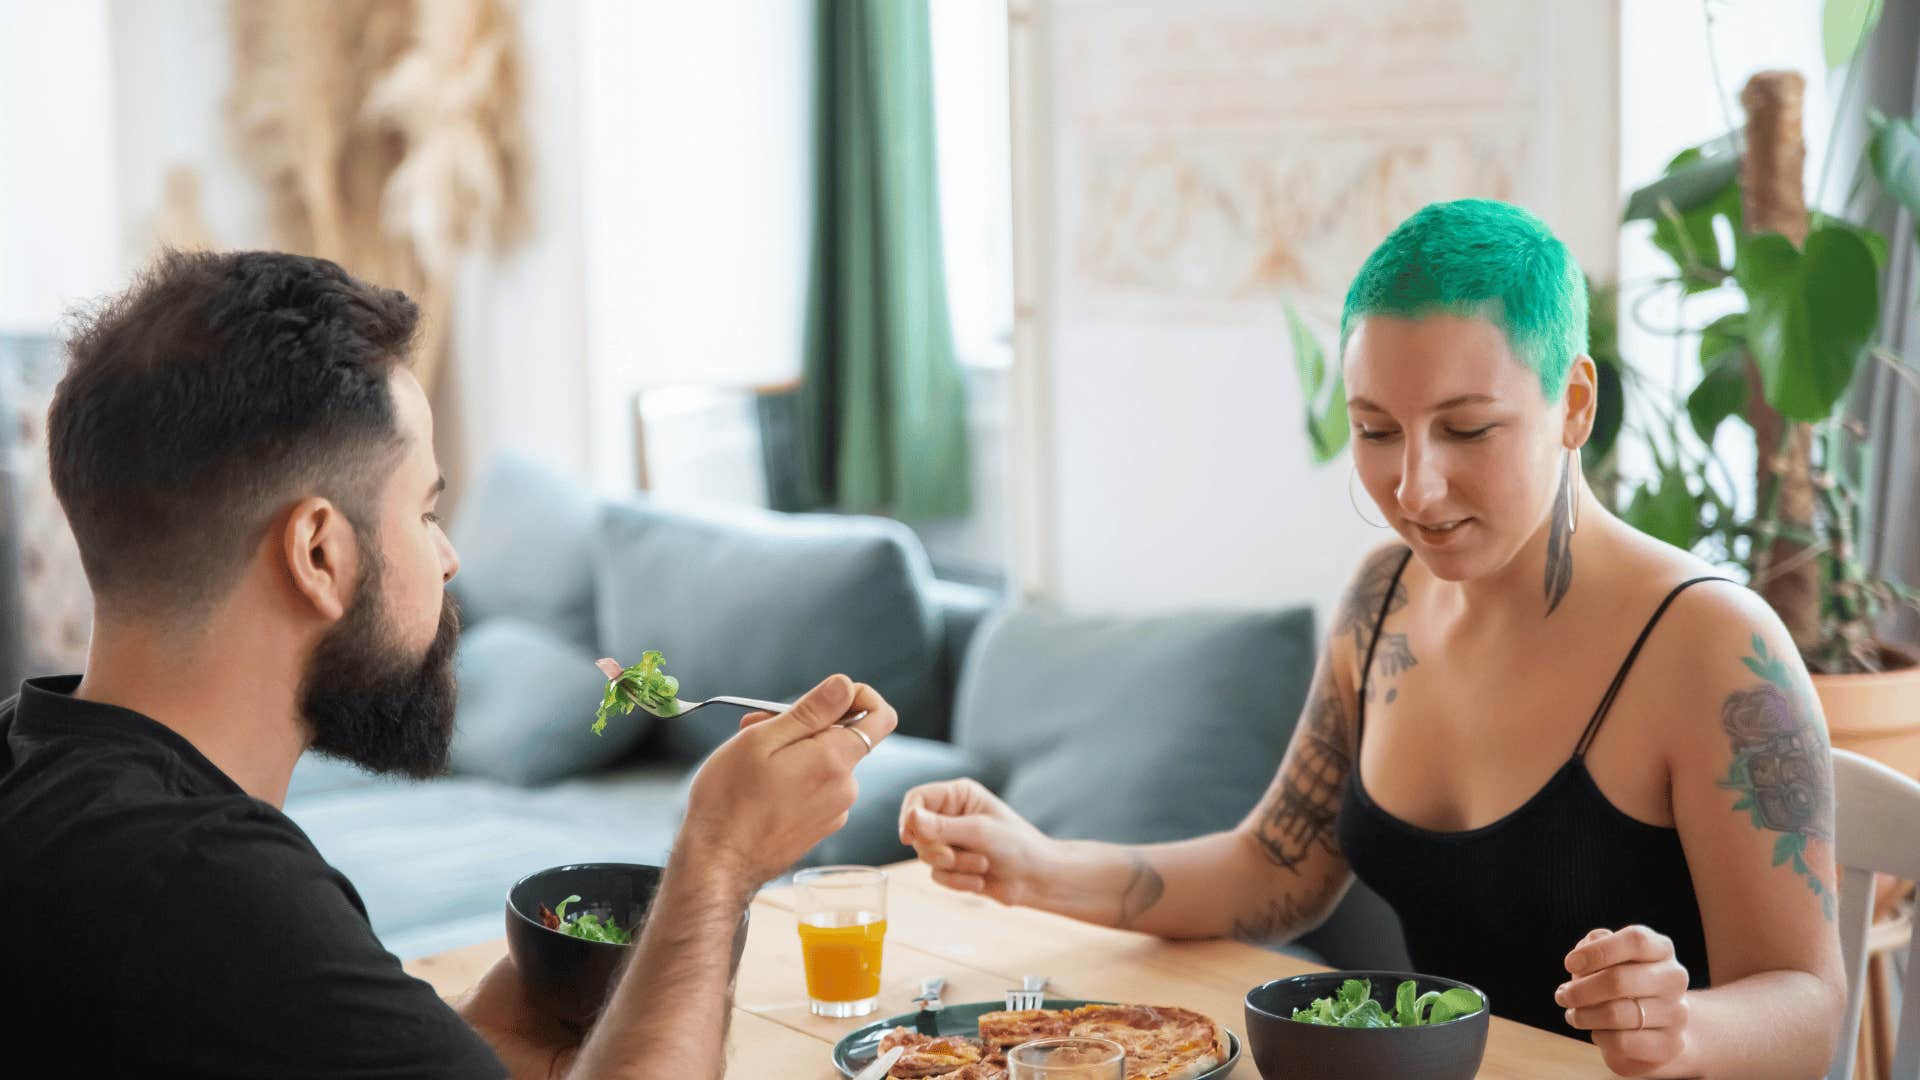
(843, 919)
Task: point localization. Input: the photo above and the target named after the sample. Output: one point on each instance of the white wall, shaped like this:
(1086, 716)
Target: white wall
(1176, 470)
(59, 236)
(698, 187)
(142, 88)
(520, 331)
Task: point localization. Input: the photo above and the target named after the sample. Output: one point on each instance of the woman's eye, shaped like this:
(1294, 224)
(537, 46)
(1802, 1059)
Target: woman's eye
(432, 519)
(1375, 436)
(1469, 436)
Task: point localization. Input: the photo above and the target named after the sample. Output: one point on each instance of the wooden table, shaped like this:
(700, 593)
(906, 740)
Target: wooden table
(982, 949)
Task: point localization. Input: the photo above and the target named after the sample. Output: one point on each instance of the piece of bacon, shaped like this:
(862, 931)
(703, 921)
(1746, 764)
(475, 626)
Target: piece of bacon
(548, 919)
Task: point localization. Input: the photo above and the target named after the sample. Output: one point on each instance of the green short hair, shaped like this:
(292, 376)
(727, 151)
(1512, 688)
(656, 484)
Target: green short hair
(1480, 258)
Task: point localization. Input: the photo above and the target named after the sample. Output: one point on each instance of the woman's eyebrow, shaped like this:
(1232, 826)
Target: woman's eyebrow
(1450, 403)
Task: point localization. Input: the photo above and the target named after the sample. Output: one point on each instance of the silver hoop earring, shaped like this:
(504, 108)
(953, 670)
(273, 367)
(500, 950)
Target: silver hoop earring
(1352, 473)
(1573, 491)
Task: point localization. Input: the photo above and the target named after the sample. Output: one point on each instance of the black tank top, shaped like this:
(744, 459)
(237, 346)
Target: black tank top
(1501, 906)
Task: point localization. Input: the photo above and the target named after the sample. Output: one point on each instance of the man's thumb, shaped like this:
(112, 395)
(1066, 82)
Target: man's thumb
(818, 708)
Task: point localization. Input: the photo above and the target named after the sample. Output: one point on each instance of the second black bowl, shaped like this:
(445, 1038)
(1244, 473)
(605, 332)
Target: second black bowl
(1284, 1047)
(570, 977)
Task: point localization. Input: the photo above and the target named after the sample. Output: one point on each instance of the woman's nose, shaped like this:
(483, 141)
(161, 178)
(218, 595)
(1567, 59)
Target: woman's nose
(1422, 483)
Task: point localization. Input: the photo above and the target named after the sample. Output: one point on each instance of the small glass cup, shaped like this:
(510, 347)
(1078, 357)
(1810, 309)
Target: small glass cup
(1071, 1057)
(843, 921)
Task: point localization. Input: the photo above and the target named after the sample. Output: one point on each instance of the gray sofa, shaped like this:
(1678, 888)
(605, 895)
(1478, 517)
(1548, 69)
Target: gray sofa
(1065, 716)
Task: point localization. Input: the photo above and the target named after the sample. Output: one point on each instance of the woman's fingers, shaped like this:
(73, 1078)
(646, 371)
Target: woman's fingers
(973, 883)
(1623, 1014)
(1600, 949)
(1666, 979)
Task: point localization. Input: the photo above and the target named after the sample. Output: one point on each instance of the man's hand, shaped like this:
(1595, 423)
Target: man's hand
(784, 783)
(527, 1039)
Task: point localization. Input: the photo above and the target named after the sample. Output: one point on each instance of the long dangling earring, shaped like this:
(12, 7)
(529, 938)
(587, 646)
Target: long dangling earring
(1351, 474)
(1573, 491)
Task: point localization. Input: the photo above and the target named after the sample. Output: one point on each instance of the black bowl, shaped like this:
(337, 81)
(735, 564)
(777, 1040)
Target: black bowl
(1283, 1047)
(569, 976)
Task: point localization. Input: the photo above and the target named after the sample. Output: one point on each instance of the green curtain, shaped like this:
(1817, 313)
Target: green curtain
(879, 420)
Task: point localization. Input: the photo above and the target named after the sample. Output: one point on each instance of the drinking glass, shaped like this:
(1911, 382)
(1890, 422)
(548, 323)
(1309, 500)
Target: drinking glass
(1072, 1057)
(843, 921)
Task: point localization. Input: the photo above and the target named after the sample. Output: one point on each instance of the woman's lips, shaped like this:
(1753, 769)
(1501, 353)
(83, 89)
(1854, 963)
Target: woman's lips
(1442, 533)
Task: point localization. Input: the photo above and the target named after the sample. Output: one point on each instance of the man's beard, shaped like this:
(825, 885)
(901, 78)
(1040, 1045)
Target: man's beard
(367, 701)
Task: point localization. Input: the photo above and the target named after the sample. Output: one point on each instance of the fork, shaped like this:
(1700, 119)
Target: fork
(1031, 995)
(611, 669)
(931, 988)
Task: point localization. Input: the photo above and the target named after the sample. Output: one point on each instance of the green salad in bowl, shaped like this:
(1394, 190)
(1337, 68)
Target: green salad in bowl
(1354, 1007)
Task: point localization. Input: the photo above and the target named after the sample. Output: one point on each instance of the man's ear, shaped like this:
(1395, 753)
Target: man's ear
(1582, 401)
(322, 556)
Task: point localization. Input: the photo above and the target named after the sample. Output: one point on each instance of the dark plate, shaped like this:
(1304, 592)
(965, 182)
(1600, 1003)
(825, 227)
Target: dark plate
(858, 1049)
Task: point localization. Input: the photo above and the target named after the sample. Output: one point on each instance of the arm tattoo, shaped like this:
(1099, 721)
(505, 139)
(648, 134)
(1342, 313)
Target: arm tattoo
(1560, 543)
(1303, 805)
(1780, 765)
(1143, 890)
(1374, 590)
(1285, 913)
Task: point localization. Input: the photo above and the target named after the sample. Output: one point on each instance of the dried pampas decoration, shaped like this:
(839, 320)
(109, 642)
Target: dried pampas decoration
(388, 135)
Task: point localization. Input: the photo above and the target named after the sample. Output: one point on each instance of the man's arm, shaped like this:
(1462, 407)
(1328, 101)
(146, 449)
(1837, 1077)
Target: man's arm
(671, 1019)
(759, 803)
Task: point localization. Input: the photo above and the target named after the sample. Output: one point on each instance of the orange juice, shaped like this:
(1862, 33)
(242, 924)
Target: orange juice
(843, 958)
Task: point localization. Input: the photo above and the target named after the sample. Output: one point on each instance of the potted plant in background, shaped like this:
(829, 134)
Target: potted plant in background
(1733, 217)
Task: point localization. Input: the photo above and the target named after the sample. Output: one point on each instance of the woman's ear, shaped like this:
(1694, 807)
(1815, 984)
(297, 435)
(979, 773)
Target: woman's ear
(322, 556)
(1581, 402)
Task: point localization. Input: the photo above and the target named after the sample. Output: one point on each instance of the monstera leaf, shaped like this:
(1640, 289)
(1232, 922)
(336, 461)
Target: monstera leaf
(1810, 314)
(1701, 184)
(1326, 400)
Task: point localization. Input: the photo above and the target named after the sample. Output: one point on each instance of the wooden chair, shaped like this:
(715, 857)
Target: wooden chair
(1876, 828)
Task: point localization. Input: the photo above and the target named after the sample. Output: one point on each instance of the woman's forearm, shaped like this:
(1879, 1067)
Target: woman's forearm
(1217, 885)
(1770, 1024)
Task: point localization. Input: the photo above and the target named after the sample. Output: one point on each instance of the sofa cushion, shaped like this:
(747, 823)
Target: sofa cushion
(525, 536)
(1078, 711)
(527, 702)
(433, 859)
(871, 836)
(1135, 729)
(764, 605)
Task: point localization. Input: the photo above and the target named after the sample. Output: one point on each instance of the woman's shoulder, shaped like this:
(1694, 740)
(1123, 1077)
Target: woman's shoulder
(1710, 635)
(1707, 603)
(1374, 589)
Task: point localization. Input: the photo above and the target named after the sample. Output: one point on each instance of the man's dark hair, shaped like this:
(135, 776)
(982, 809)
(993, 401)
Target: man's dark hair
(217, 390)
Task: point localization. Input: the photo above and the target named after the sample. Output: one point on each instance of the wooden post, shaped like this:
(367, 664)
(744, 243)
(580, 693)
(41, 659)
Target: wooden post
(1773, 200)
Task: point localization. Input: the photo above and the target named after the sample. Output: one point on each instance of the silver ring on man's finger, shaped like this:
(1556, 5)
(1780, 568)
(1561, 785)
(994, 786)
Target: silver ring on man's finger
(865, 739)
(1643, 1013)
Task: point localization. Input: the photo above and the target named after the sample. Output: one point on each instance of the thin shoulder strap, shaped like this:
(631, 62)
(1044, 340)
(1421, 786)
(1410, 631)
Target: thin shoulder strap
(1366, 666)
(1620, 678)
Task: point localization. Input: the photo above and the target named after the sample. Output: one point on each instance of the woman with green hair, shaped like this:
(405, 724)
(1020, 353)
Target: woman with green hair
(1589, 775)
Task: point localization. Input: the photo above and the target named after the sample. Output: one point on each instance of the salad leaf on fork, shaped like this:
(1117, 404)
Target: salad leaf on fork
(642, 685)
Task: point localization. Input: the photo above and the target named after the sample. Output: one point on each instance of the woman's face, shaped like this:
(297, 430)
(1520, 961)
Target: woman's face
(1454, 439)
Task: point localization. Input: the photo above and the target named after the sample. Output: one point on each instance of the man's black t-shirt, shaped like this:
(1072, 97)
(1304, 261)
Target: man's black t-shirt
(157, 920)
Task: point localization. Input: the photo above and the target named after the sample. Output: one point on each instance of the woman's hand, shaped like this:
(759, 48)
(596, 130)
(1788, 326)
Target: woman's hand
(1630, 990)
(974, 842)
